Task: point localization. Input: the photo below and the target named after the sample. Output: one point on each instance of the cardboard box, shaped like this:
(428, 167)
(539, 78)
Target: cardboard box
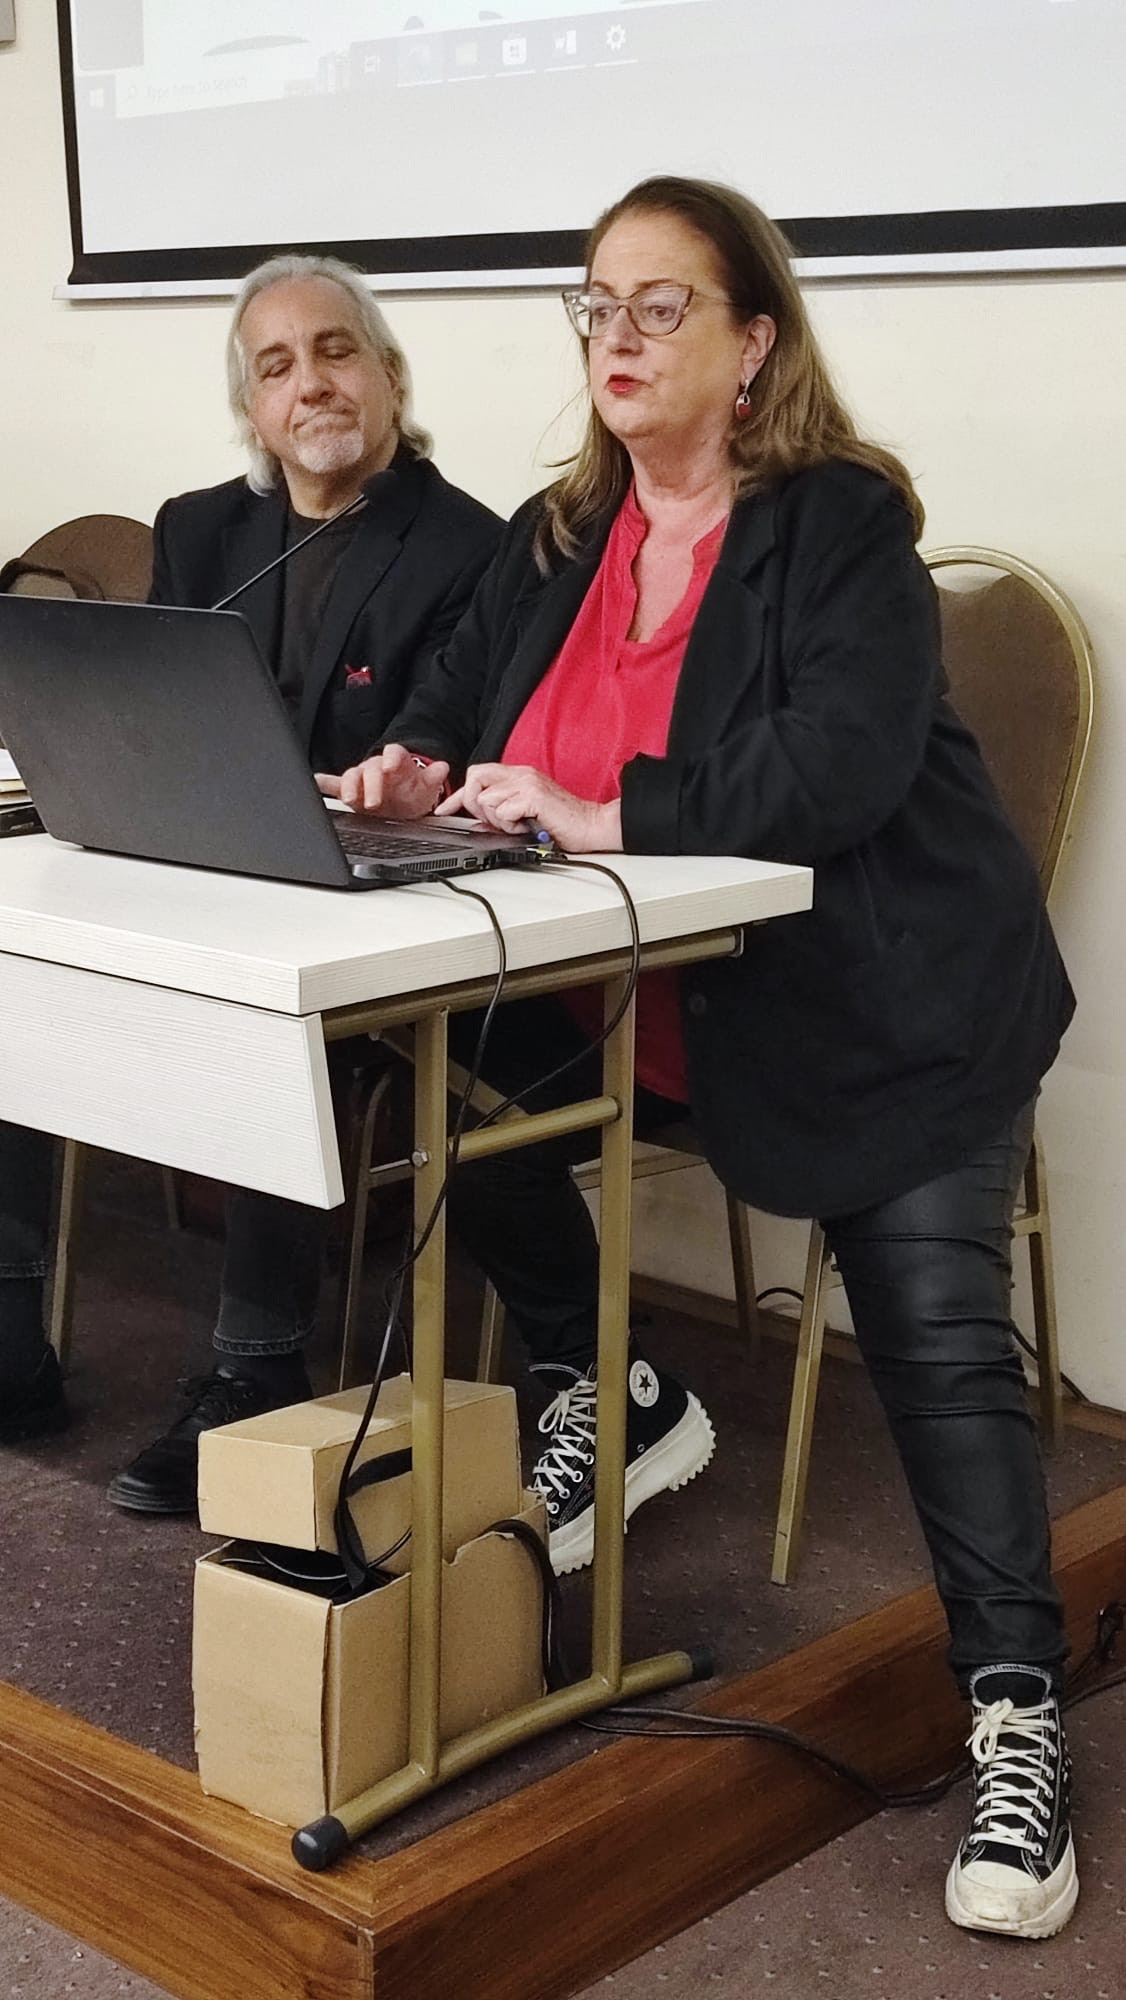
(301, 1704)
(274, 1478)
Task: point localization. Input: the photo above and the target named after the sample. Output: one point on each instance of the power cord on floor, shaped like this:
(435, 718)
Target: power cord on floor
(618, 1722)
(703, 1727)
(688, 1724)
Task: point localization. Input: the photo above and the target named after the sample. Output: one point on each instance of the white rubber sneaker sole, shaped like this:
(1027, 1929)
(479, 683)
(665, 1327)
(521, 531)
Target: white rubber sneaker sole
(665, 1466)
(986, 1896)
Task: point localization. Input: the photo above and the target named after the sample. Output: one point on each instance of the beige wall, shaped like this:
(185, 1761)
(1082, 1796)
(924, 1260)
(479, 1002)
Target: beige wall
(1006, 398)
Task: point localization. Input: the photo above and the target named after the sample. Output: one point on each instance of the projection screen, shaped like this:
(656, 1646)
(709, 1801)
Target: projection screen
(443, 143)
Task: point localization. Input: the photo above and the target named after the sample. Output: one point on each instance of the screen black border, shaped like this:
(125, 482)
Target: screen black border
(933, 233)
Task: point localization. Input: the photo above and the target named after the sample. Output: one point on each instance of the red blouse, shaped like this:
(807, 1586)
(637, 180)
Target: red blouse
(607, 698)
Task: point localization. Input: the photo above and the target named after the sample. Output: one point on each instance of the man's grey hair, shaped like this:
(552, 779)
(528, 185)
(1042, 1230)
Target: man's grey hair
(264, 467)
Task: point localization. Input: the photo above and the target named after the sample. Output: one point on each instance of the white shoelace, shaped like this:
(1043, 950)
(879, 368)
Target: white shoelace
(1014, 1804)
(569, 1420)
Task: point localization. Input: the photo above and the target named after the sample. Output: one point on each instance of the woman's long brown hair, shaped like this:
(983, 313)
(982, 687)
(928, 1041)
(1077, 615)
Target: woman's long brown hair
(797, 418)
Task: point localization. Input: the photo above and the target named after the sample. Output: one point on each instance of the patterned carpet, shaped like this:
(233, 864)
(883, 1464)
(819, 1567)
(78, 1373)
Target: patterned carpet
(97, 1620)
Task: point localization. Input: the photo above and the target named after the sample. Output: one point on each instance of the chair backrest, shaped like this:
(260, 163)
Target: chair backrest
(98, 555)
(1021, 677)
(23, 579)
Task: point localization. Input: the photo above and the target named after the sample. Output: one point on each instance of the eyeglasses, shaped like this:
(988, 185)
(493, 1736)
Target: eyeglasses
(653, 310)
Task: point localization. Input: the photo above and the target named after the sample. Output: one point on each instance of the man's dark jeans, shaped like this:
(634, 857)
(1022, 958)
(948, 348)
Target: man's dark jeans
(271, 1270)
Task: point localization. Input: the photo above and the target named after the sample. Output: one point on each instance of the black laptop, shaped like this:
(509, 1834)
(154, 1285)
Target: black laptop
(157, 732)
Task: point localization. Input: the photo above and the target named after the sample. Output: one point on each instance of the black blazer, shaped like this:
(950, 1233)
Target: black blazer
(863, 1048)
(406, 577)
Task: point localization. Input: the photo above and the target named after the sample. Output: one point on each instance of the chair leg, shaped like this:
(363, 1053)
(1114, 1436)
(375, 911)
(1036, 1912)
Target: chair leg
(358, 1189)
(492, 1337)
(743, 1266)
(803, 1403)
(72, 1181)
(1043, 1298)
(173, 1205)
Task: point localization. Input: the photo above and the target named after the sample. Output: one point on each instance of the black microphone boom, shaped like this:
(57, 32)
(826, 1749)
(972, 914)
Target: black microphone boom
(361, 500)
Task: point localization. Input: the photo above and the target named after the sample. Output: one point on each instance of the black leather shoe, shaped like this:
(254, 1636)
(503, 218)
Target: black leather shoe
(30, 1409)
(163, 1478)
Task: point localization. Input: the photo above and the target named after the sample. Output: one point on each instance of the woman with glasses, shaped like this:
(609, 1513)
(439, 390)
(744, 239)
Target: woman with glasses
(714, 635)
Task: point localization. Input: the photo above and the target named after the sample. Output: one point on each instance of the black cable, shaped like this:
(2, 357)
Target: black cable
(1108, 1626)
(716, 1726)
(557, 1671)
(540, 1083)
(466, 1096)
(487, 1022)
(359, 1568)
(1068, 1384)
(1109, 1622)
(778, 1292)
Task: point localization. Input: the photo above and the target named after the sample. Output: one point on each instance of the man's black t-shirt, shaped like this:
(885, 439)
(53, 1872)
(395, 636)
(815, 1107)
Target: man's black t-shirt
(309, 577)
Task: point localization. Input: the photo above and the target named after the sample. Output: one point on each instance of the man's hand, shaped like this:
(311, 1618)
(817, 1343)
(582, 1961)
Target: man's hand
(392, 785)
(512, 796)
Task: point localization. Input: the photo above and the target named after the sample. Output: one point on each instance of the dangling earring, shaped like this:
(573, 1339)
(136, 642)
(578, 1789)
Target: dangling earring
(743, 399)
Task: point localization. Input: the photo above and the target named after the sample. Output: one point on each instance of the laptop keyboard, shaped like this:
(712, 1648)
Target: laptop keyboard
(381, 845)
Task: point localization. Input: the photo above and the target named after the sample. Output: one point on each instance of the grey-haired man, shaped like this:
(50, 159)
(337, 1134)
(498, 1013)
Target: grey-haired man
(320, 391)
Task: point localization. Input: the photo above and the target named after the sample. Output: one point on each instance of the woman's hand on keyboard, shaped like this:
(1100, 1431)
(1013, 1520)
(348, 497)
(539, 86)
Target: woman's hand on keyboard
(514, 797)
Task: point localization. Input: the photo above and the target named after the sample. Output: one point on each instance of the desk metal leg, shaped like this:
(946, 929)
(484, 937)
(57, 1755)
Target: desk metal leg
(613, 1342)
(430, 1762)
(428, 1416)
(72, 1184)
(615, 1213)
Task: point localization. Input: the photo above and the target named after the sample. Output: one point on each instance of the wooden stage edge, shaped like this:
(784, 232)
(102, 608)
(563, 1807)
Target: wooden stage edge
(532, 1898)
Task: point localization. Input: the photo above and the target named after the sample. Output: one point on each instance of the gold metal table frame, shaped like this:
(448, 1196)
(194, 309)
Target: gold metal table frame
(431, 1762)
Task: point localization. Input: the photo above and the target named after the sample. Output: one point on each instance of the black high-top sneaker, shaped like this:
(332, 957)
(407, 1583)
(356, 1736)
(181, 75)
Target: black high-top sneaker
(669, 1439)
(1015, 1870)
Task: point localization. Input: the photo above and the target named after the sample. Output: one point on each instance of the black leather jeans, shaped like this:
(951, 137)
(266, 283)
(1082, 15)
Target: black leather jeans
(928, 1278)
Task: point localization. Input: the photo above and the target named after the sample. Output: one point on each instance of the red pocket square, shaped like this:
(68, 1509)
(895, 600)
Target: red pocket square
(357, 677)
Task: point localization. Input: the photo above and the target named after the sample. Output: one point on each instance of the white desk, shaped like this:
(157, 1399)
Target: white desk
(182, 1017)
(174, 1015)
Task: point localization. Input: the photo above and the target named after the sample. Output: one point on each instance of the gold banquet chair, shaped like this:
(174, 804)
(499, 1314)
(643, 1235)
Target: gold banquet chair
(1020, 667)
(97, 555)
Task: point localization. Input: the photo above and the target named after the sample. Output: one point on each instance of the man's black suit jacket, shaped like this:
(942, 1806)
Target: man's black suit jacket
(407, 575)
